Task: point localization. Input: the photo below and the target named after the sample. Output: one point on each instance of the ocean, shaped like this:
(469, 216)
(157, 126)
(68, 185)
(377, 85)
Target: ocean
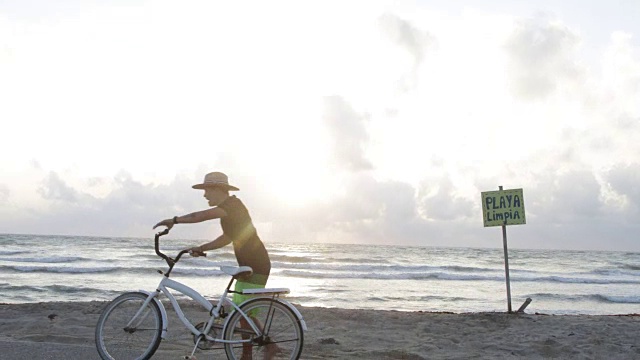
(39, 268)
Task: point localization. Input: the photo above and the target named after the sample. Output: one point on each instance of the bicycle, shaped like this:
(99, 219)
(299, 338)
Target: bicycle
(133, 324)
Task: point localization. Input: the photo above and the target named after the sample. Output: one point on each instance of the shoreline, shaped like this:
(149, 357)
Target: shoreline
(348, 334)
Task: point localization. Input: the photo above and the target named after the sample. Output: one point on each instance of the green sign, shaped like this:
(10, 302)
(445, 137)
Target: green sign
(503, 207)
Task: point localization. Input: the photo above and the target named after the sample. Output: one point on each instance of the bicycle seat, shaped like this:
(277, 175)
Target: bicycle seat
(237, 270)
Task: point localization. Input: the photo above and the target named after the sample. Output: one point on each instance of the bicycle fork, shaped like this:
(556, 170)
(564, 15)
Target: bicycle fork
(151, 296)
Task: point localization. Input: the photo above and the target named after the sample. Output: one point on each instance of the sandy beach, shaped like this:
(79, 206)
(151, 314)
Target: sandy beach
(57, 330)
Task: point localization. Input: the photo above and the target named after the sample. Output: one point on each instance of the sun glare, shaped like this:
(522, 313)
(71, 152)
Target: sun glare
(290, 151)
(299, 174)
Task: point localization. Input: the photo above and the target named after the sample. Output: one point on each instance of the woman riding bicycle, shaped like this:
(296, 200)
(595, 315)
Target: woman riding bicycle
(237, 229)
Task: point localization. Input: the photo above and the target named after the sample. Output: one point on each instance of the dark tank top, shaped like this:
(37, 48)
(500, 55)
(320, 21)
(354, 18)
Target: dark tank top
(248, 247)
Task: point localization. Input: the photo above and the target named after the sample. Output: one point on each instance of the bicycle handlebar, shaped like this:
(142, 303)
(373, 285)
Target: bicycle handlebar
(170, 261)
(157, 244)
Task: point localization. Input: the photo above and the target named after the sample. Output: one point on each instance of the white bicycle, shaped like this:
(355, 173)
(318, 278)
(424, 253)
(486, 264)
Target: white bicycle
(133, 324)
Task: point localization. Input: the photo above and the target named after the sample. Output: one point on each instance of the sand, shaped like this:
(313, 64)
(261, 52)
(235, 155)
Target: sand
(27, 332)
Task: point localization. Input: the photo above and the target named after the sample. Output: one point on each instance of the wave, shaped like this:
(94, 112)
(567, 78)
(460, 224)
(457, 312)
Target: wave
(211, 256)
(27, 293)
(46, 260)
(204, 268)
(627, 270)
(288, 259)
(579, 280)
(60, 269)
(459, 268)
(74, 269)
(423, 298)
(199, 272)
(48, 288)
(364, 268)
(599, 298)
(383, 276)
(13, 252)
(152, 268)
(292, 259)
(438, 275)
(617, 299)
(631, 267)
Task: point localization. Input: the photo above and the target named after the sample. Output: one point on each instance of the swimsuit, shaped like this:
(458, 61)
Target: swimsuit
(248, 247)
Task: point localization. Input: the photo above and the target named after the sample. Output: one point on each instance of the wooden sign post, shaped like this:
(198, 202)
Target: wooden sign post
(502, 208)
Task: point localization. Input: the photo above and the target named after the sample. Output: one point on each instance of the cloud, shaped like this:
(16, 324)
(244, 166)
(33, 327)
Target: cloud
(366, 210)
(370, 211)
(54, 188)
(570, 209)
(407, 36)
(624, 180)
(439, 201)
(575, 195)
(130, 208)
(368, 199)
(370, 180)
(348, 134)
(542, 57)
(565, 209)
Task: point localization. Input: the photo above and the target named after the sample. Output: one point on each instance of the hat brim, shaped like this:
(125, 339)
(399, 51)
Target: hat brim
(225, 186)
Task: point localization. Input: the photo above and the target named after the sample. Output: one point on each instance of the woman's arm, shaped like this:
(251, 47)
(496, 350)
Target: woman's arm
(221, 241)
(200, 216)
(195, 217)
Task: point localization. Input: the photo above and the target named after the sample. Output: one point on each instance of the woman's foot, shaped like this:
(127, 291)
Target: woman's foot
(271, 350)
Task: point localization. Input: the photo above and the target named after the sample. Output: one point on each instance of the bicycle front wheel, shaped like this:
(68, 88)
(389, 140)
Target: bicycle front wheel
(281, 338)
(127, 329)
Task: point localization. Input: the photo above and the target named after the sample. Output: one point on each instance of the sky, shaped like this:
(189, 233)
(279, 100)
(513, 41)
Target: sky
(373, 122)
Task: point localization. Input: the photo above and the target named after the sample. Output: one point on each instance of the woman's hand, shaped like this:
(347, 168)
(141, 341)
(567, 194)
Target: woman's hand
(196, 251)
(166, 222)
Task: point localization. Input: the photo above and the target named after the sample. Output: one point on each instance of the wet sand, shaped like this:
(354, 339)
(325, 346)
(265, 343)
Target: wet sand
(27, 332)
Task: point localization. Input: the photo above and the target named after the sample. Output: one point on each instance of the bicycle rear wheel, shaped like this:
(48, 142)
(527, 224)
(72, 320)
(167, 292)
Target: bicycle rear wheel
(121, 336)
(282, 333)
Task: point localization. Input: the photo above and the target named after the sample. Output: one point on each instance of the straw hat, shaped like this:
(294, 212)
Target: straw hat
(215, 179)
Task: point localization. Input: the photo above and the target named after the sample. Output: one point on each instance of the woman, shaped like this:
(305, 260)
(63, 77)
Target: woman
(237, 229)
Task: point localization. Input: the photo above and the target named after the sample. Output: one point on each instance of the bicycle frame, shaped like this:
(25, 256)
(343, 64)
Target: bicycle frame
(214, 311)
(239, 328)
